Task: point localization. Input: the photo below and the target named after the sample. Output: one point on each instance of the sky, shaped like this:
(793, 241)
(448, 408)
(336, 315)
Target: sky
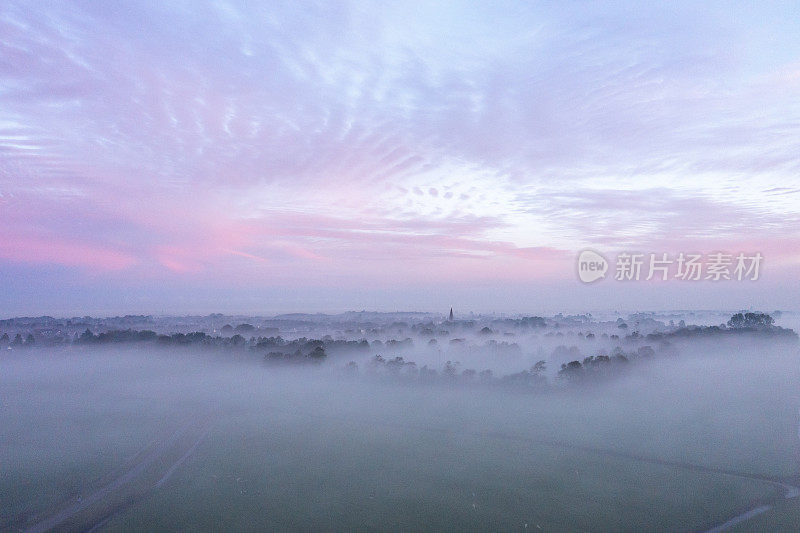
(264, 157)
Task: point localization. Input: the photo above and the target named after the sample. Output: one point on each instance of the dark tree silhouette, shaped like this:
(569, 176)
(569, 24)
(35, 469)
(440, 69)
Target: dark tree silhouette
(318, 353)
(751, 320)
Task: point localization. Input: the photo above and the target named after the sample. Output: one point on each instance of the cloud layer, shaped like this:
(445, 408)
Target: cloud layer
(289, 145)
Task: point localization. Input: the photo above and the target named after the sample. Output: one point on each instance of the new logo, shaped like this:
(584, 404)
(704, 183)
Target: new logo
(591, 266)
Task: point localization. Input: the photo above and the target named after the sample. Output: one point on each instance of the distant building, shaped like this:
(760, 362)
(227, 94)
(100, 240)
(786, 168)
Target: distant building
(451, 314)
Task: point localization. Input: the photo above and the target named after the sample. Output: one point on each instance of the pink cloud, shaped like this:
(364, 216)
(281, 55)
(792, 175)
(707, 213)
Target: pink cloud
(62, 252)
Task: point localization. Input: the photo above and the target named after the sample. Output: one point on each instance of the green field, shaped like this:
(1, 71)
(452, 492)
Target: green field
(290, 476)
(240, 446)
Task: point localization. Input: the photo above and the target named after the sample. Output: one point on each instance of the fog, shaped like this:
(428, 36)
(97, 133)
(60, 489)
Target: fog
(685, 436)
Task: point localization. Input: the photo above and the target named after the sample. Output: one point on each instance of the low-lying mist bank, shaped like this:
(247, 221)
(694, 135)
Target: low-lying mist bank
(155, 435)
(531, 352)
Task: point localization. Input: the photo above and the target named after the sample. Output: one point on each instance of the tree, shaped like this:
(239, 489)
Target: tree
(318, 353)
(87, 336)
(646, 351)
(451, 368)
(572, 370)
(395, 365)
(751, 320)
(736, 321)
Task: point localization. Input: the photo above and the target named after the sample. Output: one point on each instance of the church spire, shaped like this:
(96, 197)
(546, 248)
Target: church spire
(451, 314)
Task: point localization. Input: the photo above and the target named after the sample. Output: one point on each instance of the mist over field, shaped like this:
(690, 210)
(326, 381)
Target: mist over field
(231, 233)
(665, 427)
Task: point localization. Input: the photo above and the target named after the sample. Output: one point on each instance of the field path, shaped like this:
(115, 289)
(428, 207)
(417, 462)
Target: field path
(146, 459)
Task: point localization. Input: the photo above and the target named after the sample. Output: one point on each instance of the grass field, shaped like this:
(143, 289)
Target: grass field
(287, 475)
(250, 448)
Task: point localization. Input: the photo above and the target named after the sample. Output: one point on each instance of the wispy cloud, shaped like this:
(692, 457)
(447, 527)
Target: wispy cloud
(225, 140)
